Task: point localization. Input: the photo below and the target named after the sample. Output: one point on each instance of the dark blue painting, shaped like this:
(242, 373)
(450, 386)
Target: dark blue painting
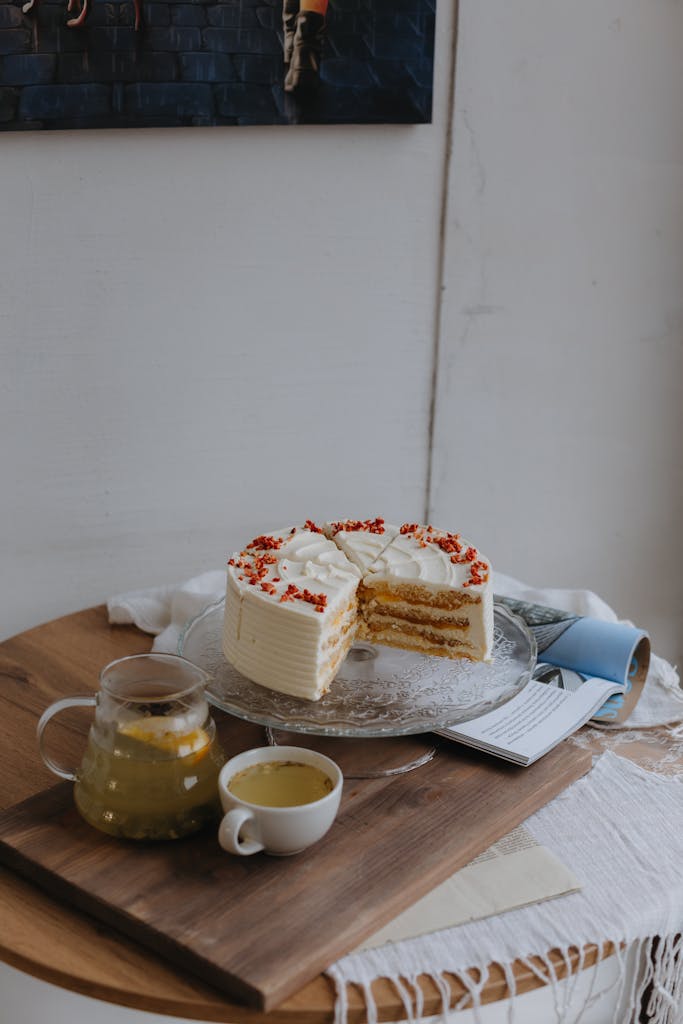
(148, 63)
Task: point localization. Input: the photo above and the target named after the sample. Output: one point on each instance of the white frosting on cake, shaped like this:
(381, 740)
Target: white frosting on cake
(419, 559)
(288, 642)
(291, 608)
(361, 546)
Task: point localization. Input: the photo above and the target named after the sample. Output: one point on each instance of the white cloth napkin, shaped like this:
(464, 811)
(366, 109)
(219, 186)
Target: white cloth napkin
(165, 611)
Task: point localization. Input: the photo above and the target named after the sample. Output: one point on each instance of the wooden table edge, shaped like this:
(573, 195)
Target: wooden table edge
(314, 1003)
(389, 1003)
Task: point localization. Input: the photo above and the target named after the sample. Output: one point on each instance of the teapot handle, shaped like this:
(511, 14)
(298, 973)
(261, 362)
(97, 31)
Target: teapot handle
(60, 705)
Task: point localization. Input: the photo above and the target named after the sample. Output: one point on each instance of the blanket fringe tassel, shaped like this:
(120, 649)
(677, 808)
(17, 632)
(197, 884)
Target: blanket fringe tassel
(648, 980)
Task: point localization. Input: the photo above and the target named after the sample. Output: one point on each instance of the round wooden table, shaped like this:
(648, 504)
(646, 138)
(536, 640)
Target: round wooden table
(60, 945)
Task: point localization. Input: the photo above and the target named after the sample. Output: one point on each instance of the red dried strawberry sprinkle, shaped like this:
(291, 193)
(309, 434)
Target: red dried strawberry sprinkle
(409, 528)
(356, 525)
(292, 593)
(450, 542)
(479, 573)
(265, 543)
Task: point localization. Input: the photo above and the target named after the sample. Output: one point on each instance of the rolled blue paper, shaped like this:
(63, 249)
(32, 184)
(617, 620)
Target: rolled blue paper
(592, 648)
(596, 648)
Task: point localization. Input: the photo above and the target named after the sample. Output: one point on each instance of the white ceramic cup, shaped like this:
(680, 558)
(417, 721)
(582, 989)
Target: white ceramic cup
(249, 828)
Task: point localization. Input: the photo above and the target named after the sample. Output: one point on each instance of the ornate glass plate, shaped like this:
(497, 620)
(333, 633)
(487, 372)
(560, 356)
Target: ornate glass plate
(378, 691)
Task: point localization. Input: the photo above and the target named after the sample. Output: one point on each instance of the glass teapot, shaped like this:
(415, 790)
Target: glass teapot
(151, 764)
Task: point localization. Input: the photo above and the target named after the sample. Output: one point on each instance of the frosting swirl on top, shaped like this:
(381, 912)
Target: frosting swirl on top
(297, 564)
(433, 557)
(315, 565)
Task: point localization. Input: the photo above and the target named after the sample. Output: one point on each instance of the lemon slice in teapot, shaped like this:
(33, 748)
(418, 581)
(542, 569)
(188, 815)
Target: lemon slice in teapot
(167, 734)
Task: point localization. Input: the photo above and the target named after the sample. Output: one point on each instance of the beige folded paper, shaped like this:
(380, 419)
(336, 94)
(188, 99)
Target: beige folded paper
(514, 872)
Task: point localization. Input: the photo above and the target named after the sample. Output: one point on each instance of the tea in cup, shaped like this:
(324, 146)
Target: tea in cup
(151, 763)
(277, 799)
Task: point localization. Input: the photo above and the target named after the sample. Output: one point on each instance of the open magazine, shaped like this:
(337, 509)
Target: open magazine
(587, 669)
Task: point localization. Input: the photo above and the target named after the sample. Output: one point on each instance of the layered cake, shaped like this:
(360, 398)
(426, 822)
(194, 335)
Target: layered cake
(298, 598)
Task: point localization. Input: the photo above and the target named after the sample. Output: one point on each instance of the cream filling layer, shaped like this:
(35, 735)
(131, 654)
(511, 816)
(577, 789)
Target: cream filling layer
(439, 634)
(422, 645)
(419, 614)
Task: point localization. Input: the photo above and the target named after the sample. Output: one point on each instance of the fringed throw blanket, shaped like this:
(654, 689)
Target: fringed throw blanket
(620, 829)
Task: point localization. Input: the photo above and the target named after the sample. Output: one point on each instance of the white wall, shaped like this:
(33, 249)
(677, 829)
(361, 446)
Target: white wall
(208, 332)
(559, 424)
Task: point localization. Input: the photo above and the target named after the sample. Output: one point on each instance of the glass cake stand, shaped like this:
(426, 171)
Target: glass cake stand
(378, 692)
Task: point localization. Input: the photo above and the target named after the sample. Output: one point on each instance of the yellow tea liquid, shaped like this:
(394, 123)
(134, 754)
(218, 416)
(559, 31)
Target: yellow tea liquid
(139, 787)
(280, 784)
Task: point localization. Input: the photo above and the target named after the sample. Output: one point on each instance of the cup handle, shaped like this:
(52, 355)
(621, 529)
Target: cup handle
(229, 832)
(60, 705)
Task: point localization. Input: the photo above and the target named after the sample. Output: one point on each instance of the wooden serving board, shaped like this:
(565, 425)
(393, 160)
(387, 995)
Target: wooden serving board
(260, 927)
